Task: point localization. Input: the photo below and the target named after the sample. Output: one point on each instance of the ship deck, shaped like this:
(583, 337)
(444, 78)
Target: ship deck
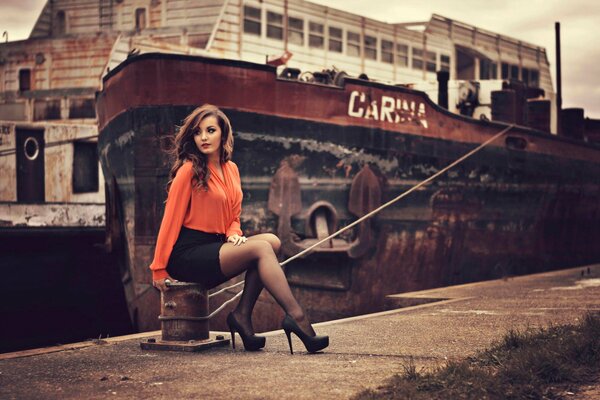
(363, 353)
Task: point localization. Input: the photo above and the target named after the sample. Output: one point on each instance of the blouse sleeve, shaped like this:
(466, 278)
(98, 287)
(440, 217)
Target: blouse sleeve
(178, 201)
(235, 226)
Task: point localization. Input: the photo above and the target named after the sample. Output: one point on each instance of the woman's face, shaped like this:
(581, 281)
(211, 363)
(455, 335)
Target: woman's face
(208, 137)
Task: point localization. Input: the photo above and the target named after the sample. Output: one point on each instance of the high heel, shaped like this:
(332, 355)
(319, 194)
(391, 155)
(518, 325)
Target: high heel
(312, 343)
(251, 342)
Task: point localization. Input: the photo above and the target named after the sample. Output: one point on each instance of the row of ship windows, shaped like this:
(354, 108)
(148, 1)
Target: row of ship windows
(316, 39)
(389, 51)
(489, 70)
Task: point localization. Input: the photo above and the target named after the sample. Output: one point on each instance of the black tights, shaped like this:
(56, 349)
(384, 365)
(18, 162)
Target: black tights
(257, 257)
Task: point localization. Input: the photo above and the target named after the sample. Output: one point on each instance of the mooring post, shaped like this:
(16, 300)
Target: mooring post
(184, 320)
(182, 309)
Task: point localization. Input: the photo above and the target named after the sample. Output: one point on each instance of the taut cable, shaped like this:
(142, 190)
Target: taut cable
(369, 215)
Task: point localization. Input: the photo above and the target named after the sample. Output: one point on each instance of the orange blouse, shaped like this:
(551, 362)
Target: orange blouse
(215, 211)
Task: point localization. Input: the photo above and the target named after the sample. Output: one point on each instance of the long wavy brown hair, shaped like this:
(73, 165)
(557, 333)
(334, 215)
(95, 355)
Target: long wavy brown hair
(184, 148)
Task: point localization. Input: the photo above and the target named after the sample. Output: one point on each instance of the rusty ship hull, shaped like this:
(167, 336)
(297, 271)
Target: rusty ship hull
(314, 157)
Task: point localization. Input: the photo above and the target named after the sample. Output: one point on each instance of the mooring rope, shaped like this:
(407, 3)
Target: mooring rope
(369, 215)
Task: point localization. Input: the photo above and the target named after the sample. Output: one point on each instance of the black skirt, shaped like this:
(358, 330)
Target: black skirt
(195, 258)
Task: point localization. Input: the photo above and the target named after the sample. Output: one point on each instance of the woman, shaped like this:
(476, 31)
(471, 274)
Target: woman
(200, 239)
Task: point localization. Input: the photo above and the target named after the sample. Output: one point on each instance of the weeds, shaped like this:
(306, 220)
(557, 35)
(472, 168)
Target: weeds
(533, 364)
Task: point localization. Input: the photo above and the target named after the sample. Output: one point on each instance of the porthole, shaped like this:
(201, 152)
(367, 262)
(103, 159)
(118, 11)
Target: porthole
(31, 148)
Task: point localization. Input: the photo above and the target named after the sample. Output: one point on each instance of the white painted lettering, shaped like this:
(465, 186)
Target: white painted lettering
(372, 111)
(387, 106)
(351, 111)
(421, 115)
(398, 110)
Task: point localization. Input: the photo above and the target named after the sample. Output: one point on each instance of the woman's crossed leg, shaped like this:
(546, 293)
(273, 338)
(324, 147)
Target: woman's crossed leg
(257, 257)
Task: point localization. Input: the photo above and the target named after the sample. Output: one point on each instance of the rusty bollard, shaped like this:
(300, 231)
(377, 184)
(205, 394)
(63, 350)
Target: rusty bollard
(183, 319)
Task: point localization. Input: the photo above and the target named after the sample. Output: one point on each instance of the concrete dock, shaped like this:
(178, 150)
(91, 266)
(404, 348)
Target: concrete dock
(364, 351)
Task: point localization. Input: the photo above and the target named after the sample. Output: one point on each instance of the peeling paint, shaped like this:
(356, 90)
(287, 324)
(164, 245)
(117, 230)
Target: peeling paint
(58, 215)
(347, 155)
(124, 139)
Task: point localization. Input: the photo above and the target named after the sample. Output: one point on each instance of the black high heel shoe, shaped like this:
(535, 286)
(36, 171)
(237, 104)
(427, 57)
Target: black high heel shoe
(312, 343)
(251, 342)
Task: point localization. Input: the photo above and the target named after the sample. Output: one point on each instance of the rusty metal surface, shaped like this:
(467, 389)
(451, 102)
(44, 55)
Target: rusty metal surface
(284, 201)
(52, 215)
(187, 346)
(365, 196)
(182, 307)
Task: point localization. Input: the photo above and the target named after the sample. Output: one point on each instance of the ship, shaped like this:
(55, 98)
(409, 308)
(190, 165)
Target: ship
(313, 157)
(334, 114)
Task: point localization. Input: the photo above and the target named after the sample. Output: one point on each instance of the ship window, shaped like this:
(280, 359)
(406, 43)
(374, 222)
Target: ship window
(370, 47)
(274, 25)
(353, 44)
(525, 74)
(140, 19)
(81, 108)
(514, 71)
(315, 39)
(510, 71)
(402, 54)
(48, 109)
(296, 31)
(85, 167)
(464, 64)
(504, 71)
(445, 62)
(335, 39)
(25, 80)
(534, 78)
(431, 61)
(252, 20)
(531, 77)
(61, 23)
(387, 51)
(487, 69)
(417, 58)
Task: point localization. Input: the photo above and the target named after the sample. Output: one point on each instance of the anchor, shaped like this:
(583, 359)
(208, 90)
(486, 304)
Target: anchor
(285, 202)
(365, 196)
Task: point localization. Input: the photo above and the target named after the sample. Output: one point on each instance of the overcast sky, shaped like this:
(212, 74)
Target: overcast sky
(528, 20)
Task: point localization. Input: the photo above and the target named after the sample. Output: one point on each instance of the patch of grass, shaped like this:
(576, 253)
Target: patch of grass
(533, 364)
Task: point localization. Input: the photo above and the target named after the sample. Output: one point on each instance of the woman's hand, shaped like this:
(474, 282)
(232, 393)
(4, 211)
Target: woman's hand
(162, 284)
(237, 239)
